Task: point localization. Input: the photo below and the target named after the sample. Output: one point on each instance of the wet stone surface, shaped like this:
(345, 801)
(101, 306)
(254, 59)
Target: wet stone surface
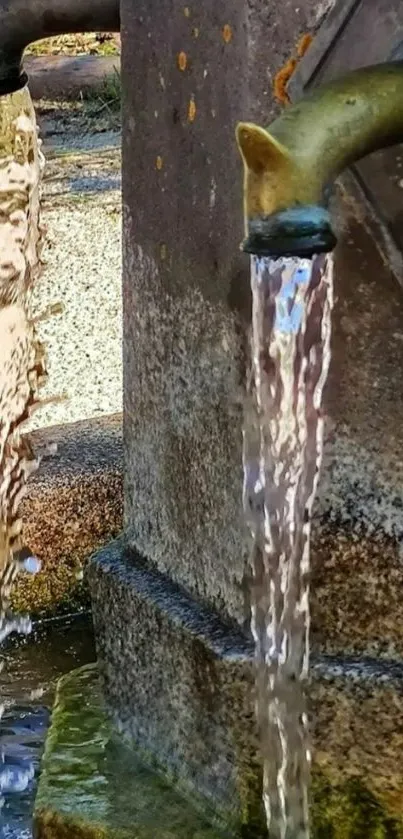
(179, 683)
(30, 669)
(94, 787)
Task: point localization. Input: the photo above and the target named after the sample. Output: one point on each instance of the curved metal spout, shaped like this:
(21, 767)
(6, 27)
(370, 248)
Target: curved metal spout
(25, 21)
(289, 168)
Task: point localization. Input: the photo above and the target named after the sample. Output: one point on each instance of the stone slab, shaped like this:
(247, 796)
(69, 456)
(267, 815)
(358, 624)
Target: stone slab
(178, 683)
(73, 506)
(93, 787)
(185, 283)
(64, 77)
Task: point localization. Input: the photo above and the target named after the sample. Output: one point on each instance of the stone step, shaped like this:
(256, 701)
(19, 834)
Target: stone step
(74, 505)
(67, 77)
(92, 785)
(178, 682)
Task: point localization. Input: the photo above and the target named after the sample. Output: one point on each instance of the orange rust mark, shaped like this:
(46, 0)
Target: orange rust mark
(283, 76)
(182, 61)
(303, 44)
(192, 110)
(281, 80)
(227, 33)
(159, 163)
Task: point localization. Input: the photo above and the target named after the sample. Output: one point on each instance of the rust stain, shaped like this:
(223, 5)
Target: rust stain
(283, 76)
(227, 33)
(159, 163)
(182, 61)
(281, 80)
(192, 110)
(303, 44)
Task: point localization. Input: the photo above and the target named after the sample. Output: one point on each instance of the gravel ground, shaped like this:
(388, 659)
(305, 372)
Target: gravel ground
(81, 209)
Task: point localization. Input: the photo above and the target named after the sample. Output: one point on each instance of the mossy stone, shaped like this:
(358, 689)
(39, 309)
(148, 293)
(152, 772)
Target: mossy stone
(93, 786)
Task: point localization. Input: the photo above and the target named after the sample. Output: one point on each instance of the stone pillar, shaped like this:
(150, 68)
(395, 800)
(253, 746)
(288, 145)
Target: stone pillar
(168, 601)
(200, 69)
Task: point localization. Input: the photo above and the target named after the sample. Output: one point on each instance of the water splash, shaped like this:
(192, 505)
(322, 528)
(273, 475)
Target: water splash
(22, 370)
(283, 442)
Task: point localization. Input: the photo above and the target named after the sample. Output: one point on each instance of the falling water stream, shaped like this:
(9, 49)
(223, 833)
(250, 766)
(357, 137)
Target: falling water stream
(283, 441)
(22, 371)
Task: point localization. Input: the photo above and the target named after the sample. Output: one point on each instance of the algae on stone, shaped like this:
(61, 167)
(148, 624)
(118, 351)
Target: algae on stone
(349, 811)
(93, 786)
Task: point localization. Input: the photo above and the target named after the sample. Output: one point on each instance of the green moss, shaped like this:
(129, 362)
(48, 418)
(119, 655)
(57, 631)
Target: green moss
(93, 786)
(349, 811)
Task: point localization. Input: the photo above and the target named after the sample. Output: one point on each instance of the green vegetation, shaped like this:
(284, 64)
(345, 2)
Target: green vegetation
(90, 43)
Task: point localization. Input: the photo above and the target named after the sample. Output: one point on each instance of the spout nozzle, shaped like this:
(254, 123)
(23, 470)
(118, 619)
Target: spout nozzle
(299, 231)
(289, 167)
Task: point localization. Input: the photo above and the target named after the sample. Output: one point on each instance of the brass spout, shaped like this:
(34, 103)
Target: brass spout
(289, 168)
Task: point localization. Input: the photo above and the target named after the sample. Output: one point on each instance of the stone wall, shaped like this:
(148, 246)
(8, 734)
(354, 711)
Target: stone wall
(187, 312)
(186, 289)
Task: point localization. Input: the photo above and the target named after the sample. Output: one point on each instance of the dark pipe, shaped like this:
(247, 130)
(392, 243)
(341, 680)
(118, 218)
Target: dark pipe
(25, 21)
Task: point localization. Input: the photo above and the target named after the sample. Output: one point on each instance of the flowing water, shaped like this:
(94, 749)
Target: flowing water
(31, 667)
(22, 371)
(283, 440)
(22, 368)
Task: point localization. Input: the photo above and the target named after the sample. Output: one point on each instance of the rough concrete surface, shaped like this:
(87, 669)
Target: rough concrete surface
(186, 324)
(73, 507)
(178, 683)
(185, 283)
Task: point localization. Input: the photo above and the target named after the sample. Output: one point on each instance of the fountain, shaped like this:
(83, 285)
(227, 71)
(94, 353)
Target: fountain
(172, 597)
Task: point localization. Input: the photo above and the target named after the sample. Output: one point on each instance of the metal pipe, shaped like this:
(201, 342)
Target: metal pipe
(289, 168)
(25, 21)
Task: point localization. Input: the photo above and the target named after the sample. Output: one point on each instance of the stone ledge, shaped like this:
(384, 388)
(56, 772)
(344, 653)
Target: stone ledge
(92, 785)
(178, 683)
(61, 76)
(73, 506)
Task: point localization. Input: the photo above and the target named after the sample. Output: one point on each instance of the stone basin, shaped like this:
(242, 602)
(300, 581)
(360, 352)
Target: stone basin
(94, 785)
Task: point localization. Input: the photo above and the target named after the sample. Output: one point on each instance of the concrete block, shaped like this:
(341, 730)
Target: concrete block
(178, 683)
(186, 324)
